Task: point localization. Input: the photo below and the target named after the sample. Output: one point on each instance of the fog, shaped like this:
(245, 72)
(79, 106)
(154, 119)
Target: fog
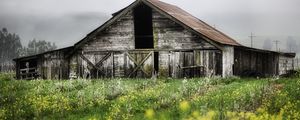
(65, 22)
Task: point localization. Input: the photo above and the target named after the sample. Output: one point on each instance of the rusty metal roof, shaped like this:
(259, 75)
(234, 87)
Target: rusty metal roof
(194, 23)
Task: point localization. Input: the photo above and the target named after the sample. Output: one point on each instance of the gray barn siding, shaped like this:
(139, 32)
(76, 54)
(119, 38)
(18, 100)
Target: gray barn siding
(49, 65)
(258, 61)
(285, 64)
(118, 40)
(118, 36)
(170, 35)
(170, 63)
(54, 66)
(167, 35)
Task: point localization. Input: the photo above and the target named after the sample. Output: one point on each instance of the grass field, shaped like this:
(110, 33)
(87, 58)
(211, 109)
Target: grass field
(194, 99)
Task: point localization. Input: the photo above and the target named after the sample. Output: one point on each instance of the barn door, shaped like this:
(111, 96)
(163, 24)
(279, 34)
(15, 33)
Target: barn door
(186, 64)
(187, 59)
(97, 65)
(139, 64)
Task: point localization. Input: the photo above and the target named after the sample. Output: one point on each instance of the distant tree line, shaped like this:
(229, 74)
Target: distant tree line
(11, 47)
(37, 46)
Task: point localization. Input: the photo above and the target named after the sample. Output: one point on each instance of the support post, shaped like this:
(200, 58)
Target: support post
(113, 65)
(228, 61)
(153, 65)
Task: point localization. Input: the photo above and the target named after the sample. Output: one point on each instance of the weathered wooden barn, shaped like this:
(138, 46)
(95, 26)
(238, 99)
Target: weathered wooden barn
(152, 38)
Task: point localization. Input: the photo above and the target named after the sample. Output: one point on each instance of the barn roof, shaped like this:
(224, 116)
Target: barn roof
(36, 55)
(287, 54)
(194, 23)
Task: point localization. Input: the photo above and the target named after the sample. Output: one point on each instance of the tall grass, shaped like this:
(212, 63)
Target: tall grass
(197, 98)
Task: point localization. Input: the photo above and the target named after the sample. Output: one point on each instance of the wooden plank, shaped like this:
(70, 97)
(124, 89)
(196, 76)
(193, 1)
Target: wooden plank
(144, 50)
(188, 67)
(153, 65)
(113, 65)
(28, 69)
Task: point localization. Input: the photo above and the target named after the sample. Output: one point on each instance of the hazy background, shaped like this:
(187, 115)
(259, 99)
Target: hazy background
(67, 21)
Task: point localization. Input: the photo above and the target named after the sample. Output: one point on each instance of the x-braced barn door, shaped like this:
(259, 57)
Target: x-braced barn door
(97, 65)
(140, 64)
(118, 64)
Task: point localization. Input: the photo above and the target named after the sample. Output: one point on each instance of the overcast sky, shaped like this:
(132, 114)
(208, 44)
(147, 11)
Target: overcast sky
(68, 21)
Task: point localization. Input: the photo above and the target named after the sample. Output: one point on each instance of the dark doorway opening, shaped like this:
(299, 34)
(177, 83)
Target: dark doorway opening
(143, 27)
(156, 61)
(28, 69)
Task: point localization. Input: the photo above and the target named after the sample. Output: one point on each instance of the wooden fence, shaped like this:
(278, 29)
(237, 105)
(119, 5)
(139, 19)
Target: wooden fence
(7, 67)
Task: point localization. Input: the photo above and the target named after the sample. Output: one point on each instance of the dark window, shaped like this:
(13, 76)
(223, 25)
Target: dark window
(143, 27)
(32, 63)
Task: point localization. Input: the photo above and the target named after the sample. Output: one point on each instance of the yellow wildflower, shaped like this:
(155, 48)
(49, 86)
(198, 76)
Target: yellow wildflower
(184, 106)
(93, 118)
(149, 113)
(260, 110)
(196, 114)
(211, 114)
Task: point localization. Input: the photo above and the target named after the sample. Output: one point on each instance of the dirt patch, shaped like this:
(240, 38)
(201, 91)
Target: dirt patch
(278, 87)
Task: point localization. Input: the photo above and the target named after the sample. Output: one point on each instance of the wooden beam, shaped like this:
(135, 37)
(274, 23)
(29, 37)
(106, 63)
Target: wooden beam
(103, 59)
(148, 50)
(188, 67)
(90, 63)
(113, 65)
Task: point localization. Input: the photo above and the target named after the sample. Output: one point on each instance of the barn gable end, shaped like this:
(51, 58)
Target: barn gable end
(120, 34)
(115, 49)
